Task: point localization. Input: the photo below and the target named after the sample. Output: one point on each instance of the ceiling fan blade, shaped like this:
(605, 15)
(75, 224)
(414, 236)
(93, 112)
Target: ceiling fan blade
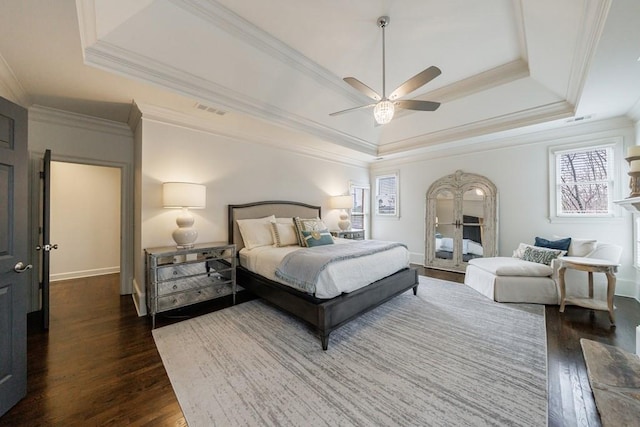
(415, 82)
(348, 110)
(357, 84)
(412, 104)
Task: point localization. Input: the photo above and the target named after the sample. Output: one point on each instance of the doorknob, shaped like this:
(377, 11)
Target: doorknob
(21, 268)
(47, 247)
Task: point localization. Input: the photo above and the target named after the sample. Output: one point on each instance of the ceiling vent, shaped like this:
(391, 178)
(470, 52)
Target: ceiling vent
(578, 119)
(209, 109)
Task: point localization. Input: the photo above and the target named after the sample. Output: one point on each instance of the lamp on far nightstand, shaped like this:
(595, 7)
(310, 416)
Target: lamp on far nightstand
(343, 202)
(184, 195)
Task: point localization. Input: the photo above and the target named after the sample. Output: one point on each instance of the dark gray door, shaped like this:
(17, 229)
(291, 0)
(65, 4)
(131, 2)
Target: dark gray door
(14, 266)
(46, 233)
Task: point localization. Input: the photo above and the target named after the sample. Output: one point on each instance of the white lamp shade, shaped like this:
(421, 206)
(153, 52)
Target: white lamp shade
(184, 195)
(342, 202)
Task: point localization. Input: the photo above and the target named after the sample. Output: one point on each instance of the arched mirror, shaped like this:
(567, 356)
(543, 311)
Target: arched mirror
(461, 222)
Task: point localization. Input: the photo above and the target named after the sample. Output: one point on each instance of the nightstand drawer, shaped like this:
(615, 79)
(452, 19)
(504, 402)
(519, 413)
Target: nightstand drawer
(188, 283)
(180, 270)
(356, 235)
(170, 302)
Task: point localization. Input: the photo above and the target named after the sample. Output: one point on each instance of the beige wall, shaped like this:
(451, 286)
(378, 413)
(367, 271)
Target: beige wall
(233, 171)
(85, 220)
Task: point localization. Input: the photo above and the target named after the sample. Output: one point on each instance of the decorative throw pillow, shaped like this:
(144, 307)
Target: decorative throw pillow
(317, 238)
(307, 224)
(581, 247)
(256, 232)
(562, 244)
(540, 256)
(283, 234)
(519, 252)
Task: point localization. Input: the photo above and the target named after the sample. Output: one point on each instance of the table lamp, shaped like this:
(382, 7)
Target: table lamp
(343, 203)
(184, 195)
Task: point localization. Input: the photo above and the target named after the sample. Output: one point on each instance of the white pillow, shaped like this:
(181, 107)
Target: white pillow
(283, 233)
(581, 247)
(519, 252)
(446, 244)
(256, 232)
(475, 248)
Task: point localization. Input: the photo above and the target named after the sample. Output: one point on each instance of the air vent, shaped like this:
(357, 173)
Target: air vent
(209, 109)
(578, 119)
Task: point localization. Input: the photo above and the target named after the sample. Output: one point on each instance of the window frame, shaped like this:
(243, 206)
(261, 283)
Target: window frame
(366, 189)
(614, 145)
(377, 196)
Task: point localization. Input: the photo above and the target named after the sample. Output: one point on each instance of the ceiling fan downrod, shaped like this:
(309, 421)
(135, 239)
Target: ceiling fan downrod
(384, 109)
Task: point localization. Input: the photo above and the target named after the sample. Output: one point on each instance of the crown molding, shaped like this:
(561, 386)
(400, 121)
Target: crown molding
(39, 113)
(10, 85)
(175, 118)
(86, 11)
(536, 115)
(113, 58)
(592, 25)
(560, 132)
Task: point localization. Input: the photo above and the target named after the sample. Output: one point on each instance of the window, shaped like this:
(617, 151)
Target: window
(386, 202)
(359, 213)
(583, 179)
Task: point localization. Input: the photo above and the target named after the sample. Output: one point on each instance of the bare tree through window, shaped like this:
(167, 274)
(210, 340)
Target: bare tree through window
(584, 183)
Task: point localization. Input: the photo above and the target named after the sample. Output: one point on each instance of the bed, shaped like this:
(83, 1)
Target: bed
(324, 314)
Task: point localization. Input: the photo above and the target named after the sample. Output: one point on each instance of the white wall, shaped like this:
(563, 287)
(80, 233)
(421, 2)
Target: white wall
(85, 220)
(521, 175)
(234, 172)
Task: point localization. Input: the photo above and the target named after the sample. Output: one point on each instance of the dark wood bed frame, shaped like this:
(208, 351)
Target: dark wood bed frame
(324, 314)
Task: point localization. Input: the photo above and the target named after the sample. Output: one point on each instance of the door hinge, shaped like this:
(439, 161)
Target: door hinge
(41, 175)
(40, 285)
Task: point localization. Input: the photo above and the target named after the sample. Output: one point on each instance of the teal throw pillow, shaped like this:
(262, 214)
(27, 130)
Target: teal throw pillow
(317, 238)
(562, 244)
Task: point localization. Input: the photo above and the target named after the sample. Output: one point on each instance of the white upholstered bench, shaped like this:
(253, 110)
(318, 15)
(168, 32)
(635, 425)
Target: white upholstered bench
(507, 279)
(510, 279)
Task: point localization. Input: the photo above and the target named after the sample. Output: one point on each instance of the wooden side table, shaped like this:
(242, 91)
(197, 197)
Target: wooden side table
(590, 265)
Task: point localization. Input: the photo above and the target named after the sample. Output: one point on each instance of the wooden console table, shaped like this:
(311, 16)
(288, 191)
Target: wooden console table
(590, 265)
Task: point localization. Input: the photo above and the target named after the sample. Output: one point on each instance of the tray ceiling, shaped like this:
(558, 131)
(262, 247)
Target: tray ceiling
(277, 66)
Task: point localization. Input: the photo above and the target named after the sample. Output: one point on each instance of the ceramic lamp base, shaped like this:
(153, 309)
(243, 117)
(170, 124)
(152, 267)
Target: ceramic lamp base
(344, 223)
(185, 235)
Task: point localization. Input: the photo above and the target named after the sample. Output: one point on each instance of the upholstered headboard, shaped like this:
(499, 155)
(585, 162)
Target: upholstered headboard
(279, 208)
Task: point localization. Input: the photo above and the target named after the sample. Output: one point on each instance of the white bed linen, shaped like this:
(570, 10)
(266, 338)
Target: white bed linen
(341, 276)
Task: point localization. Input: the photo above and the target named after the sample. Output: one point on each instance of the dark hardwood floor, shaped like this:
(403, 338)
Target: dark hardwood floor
(98, 364)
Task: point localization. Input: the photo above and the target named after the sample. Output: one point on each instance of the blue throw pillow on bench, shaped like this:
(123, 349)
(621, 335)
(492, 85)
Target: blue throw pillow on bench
(562, 244)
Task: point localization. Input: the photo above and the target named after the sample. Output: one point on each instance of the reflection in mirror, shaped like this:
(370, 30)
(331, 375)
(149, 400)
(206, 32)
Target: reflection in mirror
(445, 225)
(472, 223)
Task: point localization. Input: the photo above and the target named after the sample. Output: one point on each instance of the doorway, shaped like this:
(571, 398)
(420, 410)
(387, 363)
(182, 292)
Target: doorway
(85, 220)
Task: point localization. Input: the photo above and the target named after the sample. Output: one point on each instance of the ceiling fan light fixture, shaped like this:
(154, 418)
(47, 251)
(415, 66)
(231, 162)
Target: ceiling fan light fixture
(383, 111)
(385, 106)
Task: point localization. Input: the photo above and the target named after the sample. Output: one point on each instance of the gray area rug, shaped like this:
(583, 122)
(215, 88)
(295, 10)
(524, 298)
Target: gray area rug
(448, 357)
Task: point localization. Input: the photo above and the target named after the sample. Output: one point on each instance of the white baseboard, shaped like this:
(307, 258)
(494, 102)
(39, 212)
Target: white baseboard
(83, 273)
(139, 299)
(416, 258)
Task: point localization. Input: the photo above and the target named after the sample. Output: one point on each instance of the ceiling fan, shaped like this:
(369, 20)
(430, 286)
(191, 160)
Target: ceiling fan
(384, 107)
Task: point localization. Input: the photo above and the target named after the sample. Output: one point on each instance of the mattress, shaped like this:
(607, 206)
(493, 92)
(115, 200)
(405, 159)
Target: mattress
(339, 277)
